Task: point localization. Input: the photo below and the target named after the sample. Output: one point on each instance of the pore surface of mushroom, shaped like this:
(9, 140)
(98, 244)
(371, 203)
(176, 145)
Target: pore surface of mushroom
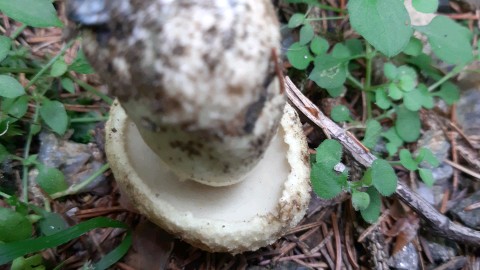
(197, 80)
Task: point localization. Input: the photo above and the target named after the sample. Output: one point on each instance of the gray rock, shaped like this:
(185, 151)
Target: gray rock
(436, 141)
(440, 252)
(77, 161)
(405, 259)
(469, 218)
(468, 111)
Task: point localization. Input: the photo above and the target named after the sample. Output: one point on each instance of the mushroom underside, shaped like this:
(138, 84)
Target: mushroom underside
(245, 216)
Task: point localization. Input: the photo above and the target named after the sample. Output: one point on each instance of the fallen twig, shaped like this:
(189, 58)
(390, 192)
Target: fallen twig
(438, 222)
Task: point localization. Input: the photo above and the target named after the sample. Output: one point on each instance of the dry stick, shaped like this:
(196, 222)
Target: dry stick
(438, 222)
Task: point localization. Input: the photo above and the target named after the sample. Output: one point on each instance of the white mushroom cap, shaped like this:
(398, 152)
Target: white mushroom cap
(245, 216)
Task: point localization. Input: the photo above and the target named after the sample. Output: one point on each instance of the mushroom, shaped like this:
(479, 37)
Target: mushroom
(200, 138)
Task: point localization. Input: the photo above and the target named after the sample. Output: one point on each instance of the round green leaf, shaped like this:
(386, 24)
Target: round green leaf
(296, 20)
(427, 176)
(384, 178)
(381, 99)
(425, 6)
(427, 97)
(448, 92)
(329, 72)
(51, 180)
(394, 141)
(407, 160)
(329, 153)
(355, 46)
(394, 92)
(10, 87)
(5, 44)
(325, 182)
(390, 71)
(383, 23)
(414, 47)
(36, 13)
(406, 83)
(372, 133)
(413, 100)
(319, 45)
(299, 56)
(54, 115)
(335, 92)
(340, 113)
(360, 200)
(426, 155)
(340, 51)
(372, 212)
(13, 226)
(18, 108)
(407, 124)
(306, 34)
(449, 40)
(58, 68)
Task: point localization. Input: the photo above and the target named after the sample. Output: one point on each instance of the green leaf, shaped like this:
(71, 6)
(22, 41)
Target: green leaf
(335, 92)
(16, 108)
(427, 176)
(381, 99)
(36, 13)
(340, 113)
(449, 41)
(448, 92)
(414, 47)
(406, 83)
(52, 223)
(340, 51)
(384, 178)
(424, 154)
(367, 178)
(425, 6)
(394, 92)
(413, 100)
(390, 71)
(54, 115)
(13, 226)
(296, 20)
(383, 23)
(51, 180)
(299, 56)
(68, 85)
(10, 251)
(427, 98)
(372, 212)
(329, 72)
(319, 45)
(372, 133)
(326, 183)
(306, 34)
(329, 153)
(394, 141)
(407, 124)
(10, 88)
(5, 45)
(80, 64)
(355, 46)
(58, 68)
(407, 160)
(115, 255)
(360, 200)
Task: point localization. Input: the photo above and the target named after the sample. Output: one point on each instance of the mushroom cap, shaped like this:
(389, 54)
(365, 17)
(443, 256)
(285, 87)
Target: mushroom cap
(246, 216)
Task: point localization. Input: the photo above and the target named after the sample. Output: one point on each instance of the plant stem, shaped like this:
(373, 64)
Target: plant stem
(368, 79)
(330, 8)
(447, 76)
(89, 119)
(75, 188)
(385, 115)
(26, 152)
(91, 89)
(49, 64)
(5, 195)
(354, 81)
